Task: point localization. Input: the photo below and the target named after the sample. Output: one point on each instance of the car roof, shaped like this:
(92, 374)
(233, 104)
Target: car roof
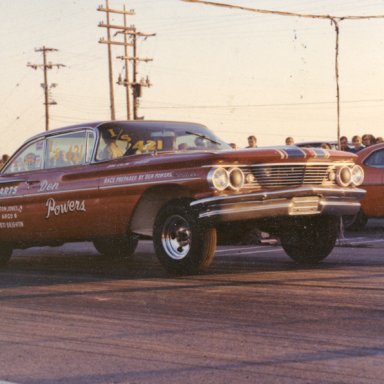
(365, 152)
(134, 123)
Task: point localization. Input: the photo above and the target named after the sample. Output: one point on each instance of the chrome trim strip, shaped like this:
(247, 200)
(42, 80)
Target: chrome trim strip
(50, 193)
(11, 180)
(267, 209)
(305, 163)
(221, 212)
(96, 188)
(148, 182)
(353, 192)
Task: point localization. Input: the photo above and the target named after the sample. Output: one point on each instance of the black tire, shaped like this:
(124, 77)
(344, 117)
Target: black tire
(181, 244)
(310, 240)
(116, 247)
(5, 254)
(355, 222)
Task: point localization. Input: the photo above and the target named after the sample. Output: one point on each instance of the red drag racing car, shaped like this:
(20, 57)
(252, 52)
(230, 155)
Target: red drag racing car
(116, 182)
(371, 159)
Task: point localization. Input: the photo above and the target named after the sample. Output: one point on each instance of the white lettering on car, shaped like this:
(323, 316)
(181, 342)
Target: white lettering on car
(139, 178)
(11, 213)
(46, 186)
(11, 208)
(63, 208)
(8, 191)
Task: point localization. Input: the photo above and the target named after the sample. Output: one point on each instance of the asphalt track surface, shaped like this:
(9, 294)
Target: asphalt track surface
(70, 316)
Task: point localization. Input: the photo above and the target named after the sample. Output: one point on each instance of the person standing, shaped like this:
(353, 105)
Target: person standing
(3, 160)
(289, 141)
(357, 146)
(252, 142)
(344, 144)
(368, 139)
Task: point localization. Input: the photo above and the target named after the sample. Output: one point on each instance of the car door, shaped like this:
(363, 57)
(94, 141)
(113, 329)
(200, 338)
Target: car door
(67, 191)
(373, 202)
(57, 191)
(19, 220)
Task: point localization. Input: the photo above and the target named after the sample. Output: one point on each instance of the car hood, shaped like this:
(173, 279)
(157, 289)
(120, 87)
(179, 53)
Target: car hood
(245, 156)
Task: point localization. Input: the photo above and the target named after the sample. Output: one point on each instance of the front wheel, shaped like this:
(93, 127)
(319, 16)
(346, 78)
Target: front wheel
(181, 244)
(310, 240)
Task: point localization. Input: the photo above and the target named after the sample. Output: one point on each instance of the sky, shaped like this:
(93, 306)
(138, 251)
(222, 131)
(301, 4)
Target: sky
(239, 73)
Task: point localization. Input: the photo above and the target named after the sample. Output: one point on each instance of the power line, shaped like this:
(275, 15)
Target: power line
(45, 66)
(298, 104)
(17, 85)
(335, 20)
(284, 13)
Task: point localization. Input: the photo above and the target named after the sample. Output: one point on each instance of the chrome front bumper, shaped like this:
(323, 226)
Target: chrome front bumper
(288, 202)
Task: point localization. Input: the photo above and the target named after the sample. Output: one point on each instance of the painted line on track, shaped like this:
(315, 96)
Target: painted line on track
(369, 241)
(243, 248)
(366, 241)
(250, 251)
(260, 251)
(6, 382)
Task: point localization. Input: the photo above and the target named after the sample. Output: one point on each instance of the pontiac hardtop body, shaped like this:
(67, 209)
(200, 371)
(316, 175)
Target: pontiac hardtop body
(116, 182)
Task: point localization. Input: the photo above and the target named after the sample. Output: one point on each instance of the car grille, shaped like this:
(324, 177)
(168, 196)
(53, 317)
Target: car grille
(274, 176)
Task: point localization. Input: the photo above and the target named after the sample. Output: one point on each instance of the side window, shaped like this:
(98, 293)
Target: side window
(29, 159)
(66, 150)
(376, 159)
(113, 143)
(90, 145)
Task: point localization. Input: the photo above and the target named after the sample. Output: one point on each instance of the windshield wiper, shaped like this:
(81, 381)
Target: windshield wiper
(202, 137)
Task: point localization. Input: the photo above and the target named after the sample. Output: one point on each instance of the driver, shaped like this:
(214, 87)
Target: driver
(111, 151)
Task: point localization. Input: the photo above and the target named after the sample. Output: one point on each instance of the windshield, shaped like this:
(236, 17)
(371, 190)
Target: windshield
(118, 140)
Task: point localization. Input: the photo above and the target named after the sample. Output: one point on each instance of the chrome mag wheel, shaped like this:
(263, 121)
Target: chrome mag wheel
(176, 237)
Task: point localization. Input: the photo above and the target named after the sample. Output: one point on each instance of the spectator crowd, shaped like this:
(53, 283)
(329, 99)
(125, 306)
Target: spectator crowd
(3, 160)
(357, 143)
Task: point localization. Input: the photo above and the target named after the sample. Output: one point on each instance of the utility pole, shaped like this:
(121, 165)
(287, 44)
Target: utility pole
(110, 42)
(128, 32)
(136, 85)
(126, 62)
(46, 65)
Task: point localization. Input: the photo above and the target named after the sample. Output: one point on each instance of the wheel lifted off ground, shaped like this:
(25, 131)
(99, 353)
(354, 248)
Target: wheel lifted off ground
(181, 244)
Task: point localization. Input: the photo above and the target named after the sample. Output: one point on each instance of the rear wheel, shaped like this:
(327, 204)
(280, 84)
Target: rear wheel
(310, 240)
(116, 247)
(5, 254)
(181, 244)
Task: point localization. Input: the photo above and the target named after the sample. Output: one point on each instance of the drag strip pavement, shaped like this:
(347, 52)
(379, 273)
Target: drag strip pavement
(361, 241)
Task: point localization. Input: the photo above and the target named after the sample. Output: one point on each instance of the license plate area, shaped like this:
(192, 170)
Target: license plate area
(304, 205)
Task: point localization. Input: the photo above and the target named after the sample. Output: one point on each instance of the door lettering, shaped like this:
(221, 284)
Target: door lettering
(60, 209)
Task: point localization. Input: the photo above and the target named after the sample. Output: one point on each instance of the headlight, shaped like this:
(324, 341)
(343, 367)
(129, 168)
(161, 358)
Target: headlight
(344, 176)
(218, 178)
(357, 175)
(236, 178)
